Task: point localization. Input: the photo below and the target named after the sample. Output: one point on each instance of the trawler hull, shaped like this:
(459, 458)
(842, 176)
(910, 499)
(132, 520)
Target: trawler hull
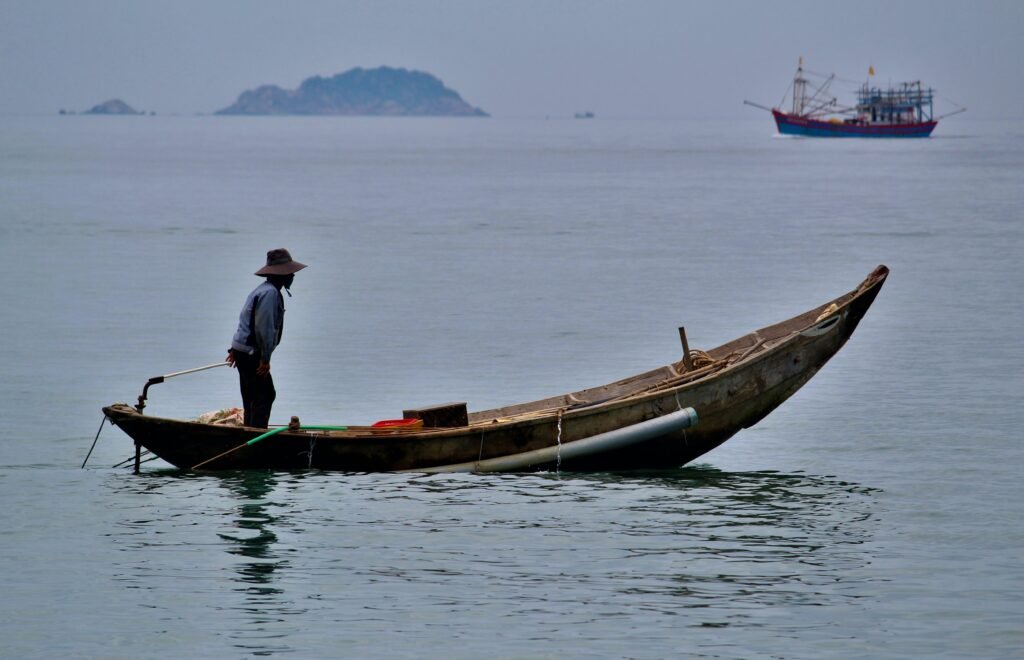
(790, 124)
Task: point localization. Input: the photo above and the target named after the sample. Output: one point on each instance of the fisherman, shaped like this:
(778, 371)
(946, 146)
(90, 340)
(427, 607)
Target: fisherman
(259, 332)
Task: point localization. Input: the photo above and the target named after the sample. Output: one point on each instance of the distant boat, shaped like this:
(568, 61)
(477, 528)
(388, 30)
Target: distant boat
(903, 110)
(584, 115)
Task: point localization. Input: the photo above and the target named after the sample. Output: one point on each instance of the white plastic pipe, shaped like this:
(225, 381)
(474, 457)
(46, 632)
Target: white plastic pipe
(602, 442)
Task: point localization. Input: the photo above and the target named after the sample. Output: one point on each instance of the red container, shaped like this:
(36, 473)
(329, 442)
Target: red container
(386, 425)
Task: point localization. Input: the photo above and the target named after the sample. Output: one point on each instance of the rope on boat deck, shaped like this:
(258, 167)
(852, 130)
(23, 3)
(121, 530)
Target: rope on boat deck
(704, 366)
(701, 358)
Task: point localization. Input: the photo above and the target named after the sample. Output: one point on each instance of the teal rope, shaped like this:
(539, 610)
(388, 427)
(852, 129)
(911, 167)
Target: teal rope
(301, 428)
(267, 435)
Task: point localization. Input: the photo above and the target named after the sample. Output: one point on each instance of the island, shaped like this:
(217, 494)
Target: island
(382, 91)
(113, 107)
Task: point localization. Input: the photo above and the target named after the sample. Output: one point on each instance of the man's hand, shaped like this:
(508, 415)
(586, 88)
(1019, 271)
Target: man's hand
(263, 369)
(230, 359)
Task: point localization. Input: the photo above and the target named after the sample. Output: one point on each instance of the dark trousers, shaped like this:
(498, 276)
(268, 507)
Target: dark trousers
(258, 392)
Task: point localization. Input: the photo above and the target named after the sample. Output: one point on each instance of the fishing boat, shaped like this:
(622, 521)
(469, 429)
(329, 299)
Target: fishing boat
(904, 110)
(663, 418)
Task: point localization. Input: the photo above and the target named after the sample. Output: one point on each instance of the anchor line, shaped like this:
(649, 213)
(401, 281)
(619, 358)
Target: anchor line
(312, 444)
(479, 453)
(98, 431)
(558, 439)
(679, 406)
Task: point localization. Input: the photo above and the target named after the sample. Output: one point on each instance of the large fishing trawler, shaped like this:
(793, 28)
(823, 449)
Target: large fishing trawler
(903, 110)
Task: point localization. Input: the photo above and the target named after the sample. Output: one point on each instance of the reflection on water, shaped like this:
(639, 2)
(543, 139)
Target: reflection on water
(266, 607)
(254, 536)
(694, 537)
(772, 538)
(242, 509)
(694, 547)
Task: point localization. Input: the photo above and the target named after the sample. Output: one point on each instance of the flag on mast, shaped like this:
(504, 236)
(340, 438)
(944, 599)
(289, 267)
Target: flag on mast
(871, 70)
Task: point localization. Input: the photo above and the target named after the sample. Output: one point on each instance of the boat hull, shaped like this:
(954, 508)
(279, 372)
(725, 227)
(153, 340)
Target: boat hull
(747, 379)
(795, 125)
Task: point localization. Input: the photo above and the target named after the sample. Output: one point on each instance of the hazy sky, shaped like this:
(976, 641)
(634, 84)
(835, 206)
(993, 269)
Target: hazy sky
(517, 58)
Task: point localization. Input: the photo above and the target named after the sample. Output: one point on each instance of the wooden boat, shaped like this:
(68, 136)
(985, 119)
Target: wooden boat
(645, 421)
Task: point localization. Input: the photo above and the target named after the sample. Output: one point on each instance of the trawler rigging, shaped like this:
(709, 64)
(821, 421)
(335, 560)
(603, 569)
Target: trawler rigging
(903, 110)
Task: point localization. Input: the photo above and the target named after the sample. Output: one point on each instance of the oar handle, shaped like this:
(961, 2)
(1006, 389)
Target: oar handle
(156, 380)
(192, 371)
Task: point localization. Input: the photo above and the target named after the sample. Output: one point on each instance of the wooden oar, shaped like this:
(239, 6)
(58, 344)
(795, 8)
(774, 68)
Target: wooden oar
(267, 435)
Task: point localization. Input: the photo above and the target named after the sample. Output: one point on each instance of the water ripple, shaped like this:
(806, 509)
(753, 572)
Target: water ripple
(697, 548)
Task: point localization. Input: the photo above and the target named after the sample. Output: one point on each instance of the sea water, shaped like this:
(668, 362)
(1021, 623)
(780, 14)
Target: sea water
(494, 261)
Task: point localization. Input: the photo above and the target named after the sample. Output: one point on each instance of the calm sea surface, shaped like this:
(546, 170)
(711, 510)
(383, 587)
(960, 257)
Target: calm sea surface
(878, 513)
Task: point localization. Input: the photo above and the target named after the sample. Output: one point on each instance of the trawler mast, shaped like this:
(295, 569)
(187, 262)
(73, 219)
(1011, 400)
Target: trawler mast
(799, 89)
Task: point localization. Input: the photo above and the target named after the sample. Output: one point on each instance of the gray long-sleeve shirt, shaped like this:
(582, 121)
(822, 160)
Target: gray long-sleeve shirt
(261, 322)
